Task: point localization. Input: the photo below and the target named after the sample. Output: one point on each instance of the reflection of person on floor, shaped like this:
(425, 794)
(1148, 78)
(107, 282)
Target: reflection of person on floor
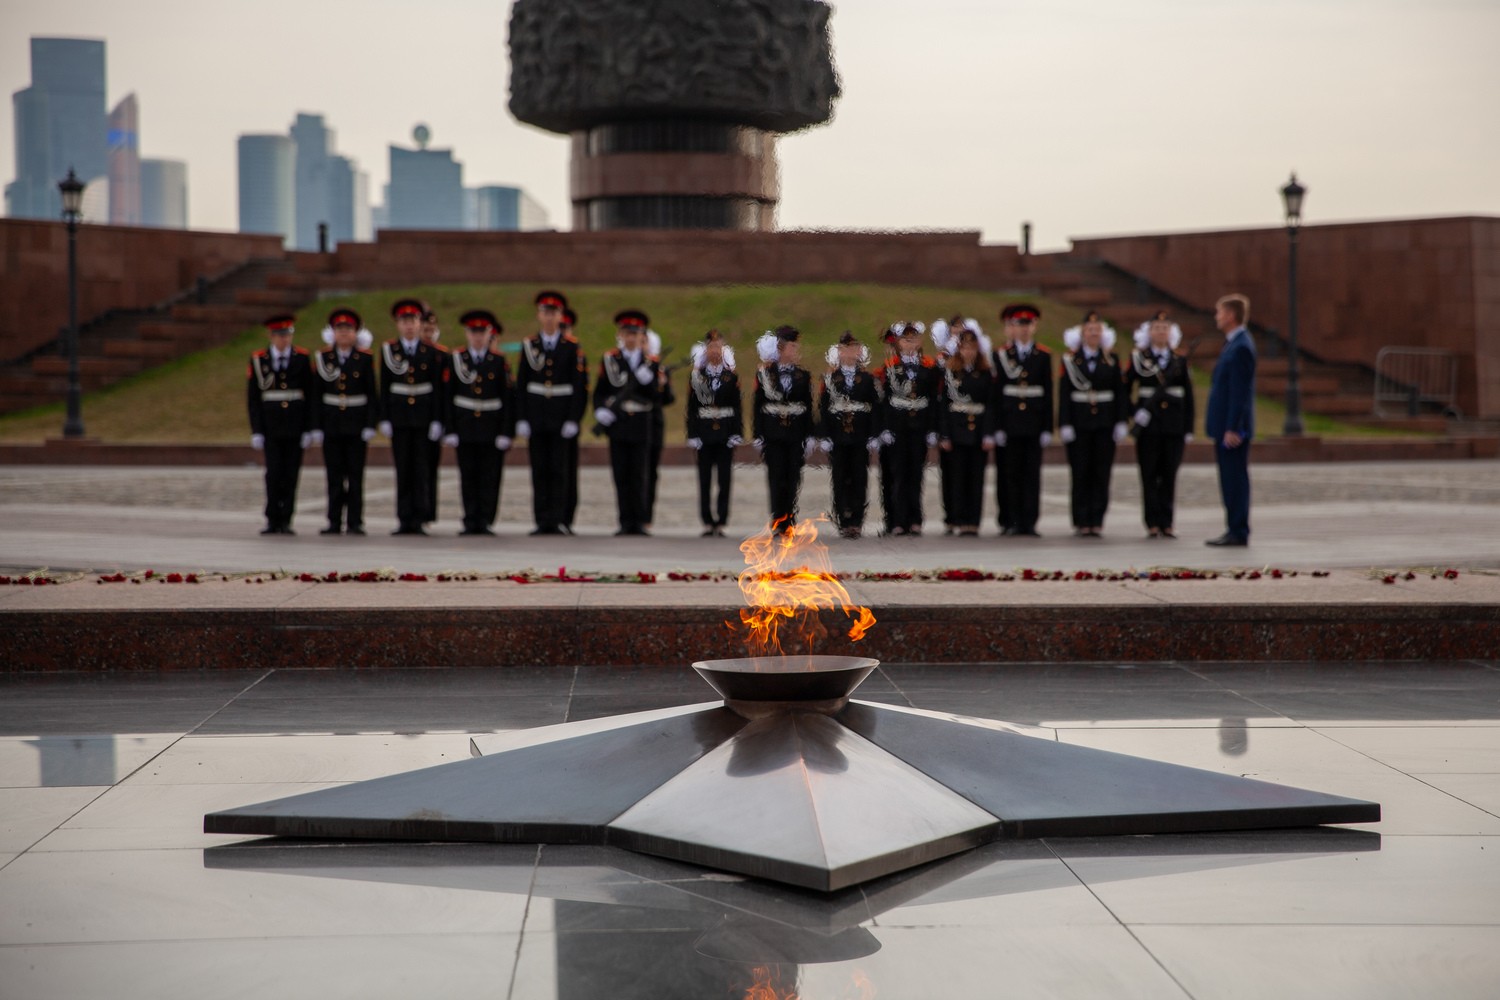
(1230, 419)
(1234, 737)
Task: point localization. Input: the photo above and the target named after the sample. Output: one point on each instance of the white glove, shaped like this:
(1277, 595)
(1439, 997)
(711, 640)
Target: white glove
(886, 437)
(570, 429)
(435, 431)
(825, 445)
(736, 441)
(695, 443)
(367, 435)
(873, 444)
(932, 439)
(606, 417)
(760, 445)
(523, 428)
(999, 438)
(1067, 434)
(808, 447)
(1187, 439)
(1046, 438)
(258, 442)
(450, 440)
(502, 442)
(1142, 417)
(317, 437)
(644, 375)
(304, 440)
(1121, 429)
(384, 427)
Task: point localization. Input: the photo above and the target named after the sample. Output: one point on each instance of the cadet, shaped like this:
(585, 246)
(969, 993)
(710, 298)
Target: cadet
(1090, 418)
(281, 421)
(346, 378)
(783, 421)
(849, 421)
(665, 398)
(715, 426)
(480, 419)
(1023, 412)
(568, 324)
(626, 394)
(967, 427)
(551, 393)
(1158, 378)
(411, 408)
(430, 334)
(912, 383)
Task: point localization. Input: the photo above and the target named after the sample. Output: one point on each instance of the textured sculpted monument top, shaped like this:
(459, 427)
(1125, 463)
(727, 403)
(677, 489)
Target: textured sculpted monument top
(576, 64)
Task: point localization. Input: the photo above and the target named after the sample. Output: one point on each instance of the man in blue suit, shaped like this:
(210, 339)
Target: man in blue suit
(1230, 420)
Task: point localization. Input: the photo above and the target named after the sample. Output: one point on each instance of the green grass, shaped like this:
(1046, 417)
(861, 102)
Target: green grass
(201, 398)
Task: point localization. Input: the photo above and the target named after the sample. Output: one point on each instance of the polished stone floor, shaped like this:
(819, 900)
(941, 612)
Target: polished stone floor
(109, 889)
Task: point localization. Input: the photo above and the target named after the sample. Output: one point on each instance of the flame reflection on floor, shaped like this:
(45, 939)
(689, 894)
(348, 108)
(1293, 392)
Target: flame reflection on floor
(788, 579)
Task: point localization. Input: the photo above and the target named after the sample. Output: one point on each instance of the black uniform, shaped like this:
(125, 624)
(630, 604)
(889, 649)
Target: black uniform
(715, 414)
(434, 454)
(911, 417)
(666, 397)
(1162, 387)
(552, 390)
(280, 412)
(1023, 410)
(967, 419)
(1091, 400)
(783, 421)
(851, 415)
(631, 390)
(411, 399)
(480, 408)
(346, 416)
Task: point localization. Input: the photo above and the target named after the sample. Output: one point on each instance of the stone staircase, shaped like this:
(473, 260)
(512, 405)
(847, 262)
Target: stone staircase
(122, 343)
(1334, 389)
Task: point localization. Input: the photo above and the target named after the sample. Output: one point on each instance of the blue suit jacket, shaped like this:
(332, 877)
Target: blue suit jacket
(1231, 397)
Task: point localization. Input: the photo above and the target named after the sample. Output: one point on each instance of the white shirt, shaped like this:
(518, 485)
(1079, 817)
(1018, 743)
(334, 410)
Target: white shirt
(477, 357)
(410, 346)
(549, 341)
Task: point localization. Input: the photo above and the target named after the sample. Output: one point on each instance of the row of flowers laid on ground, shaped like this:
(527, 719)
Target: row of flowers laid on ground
(41, 578)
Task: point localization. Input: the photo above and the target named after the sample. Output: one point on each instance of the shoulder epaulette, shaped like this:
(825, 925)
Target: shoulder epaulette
(299, 350)
(570, 338)
(262, 352)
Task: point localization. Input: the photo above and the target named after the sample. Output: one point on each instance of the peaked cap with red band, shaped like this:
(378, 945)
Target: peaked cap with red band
(281, 323)
(480, 319)
(632, 317)
(1020, 311)
(345, 317)
(551, 300)
(408, 307)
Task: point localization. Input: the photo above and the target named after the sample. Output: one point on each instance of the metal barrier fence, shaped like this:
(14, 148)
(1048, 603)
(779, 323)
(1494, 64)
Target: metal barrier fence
(1413, 380)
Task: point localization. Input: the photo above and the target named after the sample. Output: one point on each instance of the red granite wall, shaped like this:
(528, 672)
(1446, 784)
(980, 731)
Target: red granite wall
(1361, 287)
(119, 267)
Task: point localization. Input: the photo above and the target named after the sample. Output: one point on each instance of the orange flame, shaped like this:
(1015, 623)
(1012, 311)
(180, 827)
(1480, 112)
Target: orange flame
(787, 580)
(767, 985)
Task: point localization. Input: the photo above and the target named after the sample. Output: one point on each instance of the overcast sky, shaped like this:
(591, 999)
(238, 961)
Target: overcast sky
(1084, 116)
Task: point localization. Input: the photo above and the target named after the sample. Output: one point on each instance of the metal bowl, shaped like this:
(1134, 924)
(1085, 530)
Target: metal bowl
(757, 686)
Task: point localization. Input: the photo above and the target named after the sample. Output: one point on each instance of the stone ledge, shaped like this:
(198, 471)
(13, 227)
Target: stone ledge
(129, 640)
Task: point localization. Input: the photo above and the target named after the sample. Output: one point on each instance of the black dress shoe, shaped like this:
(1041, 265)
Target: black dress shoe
(1167, 533)
(1228, 540)
(1029, 532)
(1007, 532)
(470, 531)
(709, 532)
(546, 531)
(286, 529)
(356, 531)
(270, 529)
(330, 531)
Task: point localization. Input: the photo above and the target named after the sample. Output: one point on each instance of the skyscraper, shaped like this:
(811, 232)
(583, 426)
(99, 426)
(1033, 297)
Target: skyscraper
(501, 207)
(314, 202)
(164, 195)
(125, 163)
(267, 183)
(60, 123)
(426, 189)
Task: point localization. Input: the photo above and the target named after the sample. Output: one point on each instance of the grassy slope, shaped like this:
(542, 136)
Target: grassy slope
(200, 398)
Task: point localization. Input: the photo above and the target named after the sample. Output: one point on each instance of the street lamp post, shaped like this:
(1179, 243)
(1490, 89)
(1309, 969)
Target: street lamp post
(72, 202)
(1291, 197)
